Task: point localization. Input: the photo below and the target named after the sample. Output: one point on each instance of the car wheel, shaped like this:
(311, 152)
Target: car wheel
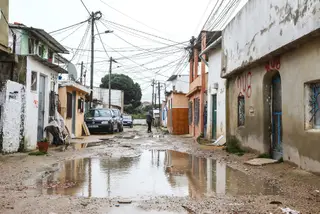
(121, 128)
(118, 129)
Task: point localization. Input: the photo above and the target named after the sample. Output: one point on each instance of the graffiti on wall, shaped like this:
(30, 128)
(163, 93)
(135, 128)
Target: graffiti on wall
(273, 65)
(244, 84)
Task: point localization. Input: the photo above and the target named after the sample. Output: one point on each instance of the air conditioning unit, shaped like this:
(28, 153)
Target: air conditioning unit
(215, 85)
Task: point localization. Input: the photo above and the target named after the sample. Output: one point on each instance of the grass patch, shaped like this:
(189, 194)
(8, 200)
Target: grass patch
(38, 153)
(264, 155)
(233, 146)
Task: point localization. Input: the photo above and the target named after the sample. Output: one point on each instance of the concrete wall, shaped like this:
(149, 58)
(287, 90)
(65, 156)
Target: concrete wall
(4, 29)
(276, 24)
(79, 120)
(12, 104)
(214, 77)
(181, 84)
(117, 96)
(31, 121)
(300, 142)
(179, 100)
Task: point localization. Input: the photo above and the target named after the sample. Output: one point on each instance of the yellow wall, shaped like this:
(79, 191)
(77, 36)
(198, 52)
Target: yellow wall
(79, 116)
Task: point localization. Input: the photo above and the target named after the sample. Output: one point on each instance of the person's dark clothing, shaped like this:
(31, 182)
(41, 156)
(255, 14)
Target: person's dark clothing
(149, 118)
(149, 126)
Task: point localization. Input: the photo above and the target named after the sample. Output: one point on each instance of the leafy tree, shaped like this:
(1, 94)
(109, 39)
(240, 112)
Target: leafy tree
(132, 90)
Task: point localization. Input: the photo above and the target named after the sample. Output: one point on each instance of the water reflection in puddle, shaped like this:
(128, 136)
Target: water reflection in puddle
(154, 173)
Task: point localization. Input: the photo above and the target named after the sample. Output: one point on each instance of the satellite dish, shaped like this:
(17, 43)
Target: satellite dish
(72, 72)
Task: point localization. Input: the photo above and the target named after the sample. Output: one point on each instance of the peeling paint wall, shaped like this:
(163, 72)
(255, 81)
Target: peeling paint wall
(297, 68)
(215, 79)
(31, 120)
(12, 103)
(276, 24)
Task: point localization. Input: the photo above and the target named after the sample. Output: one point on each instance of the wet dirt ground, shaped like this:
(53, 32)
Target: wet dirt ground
(136, 172)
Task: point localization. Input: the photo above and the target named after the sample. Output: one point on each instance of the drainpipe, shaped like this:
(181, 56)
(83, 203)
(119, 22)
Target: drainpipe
(212, 45)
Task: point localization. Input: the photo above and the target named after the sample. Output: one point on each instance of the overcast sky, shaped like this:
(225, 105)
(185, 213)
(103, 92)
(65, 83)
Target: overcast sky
(176, 20)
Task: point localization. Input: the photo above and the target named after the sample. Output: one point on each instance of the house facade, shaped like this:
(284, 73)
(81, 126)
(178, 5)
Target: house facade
(72, 96)
(216, 93)
(40, 66)
(101, 98)
(273, 92)
(177, 105)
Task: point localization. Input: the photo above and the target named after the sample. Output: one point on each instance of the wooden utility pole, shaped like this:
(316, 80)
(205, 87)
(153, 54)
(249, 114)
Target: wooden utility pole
(152, 84)
(160, 115)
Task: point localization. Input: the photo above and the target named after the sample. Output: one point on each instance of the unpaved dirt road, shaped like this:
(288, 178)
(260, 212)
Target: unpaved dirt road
(136, 172)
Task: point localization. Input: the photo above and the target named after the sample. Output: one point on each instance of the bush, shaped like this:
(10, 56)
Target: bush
(233, 146)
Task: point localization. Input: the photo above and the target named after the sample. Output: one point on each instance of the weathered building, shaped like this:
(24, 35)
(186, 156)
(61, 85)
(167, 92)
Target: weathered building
(271, 52)
(41, 67)
(72, 97)
(216, 93)
(101, 98)
(177, 104)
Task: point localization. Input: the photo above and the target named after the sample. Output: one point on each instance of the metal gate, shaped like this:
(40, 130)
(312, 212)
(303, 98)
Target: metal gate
(276, 145)
(41, 106)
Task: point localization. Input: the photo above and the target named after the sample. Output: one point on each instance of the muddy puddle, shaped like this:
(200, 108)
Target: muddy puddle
(153, 173)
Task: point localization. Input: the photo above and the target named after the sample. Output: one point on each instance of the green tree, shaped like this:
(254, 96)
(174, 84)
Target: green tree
(132, 90)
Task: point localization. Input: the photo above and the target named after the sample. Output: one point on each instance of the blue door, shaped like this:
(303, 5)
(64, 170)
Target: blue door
(276, 144)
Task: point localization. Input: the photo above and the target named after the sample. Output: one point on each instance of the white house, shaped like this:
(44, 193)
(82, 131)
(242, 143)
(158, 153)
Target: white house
(216, 92)
(178, 83)
(102, 95)
(42, 67)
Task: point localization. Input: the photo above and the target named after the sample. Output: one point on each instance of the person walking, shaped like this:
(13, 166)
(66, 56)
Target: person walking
(149, 121)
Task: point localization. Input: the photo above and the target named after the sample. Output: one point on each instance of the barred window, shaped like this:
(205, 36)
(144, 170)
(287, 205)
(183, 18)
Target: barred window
(190, 113)
(241, 111)
(196, 110)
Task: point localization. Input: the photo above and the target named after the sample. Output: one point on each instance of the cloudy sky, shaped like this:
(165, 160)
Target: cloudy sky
(149, 36)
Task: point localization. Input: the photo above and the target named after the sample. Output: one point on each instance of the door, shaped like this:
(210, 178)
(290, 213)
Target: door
(74, 113)
(214, 116)
(276, 144)
(41, 106)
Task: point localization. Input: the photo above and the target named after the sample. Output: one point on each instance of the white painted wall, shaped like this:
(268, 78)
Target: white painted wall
(31, 121)
(263, 26)
(181, 84)
(11, 102)
(117, 96)
(214, 77)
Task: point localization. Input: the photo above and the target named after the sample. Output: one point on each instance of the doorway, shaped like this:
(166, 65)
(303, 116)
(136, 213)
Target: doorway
(276, 117)
(41, 107)
(214, 117)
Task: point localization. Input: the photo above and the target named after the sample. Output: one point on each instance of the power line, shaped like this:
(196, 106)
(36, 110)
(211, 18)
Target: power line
(6, 20)
(71, 26)
(130, 17)
(141, 31)
(85, 7)
(104, 48)
(206, 8)
(71, 33)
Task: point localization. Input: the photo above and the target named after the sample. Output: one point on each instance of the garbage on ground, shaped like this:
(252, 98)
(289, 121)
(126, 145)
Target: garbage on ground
(289, 211)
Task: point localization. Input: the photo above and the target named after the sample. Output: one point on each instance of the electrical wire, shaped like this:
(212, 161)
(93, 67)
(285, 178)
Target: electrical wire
(85, 7)
(71, 33)
(130, 17)
(104, 48)
(206, 8)
(68, 27)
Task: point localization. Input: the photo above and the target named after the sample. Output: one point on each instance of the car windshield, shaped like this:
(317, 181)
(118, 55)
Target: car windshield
(99, 113)
(128, 117)
(116, 112)
(104, 113)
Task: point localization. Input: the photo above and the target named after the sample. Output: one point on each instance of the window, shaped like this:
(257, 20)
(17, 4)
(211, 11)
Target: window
(174, 88)
(81, 105)
(104, 113)
(171, 103)
(41, 50)
(314, 106)
(31, 45)
(69, 105)
(34, 78)
(196, 110)
(241, 111)
(190, 113)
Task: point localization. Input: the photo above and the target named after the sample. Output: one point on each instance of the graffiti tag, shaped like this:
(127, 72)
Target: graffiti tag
(273, 65)
(35, 103)
(244, 84)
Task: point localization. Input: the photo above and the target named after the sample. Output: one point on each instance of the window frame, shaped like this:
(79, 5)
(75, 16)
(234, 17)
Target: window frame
(239, 108)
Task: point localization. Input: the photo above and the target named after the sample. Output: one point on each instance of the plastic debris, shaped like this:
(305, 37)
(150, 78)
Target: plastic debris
(289, 211)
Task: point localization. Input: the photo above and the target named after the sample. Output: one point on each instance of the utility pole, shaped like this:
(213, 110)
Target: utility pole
(110, 68)
(152, 84)
(81, 73)
(160, 115)
(94, 16)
